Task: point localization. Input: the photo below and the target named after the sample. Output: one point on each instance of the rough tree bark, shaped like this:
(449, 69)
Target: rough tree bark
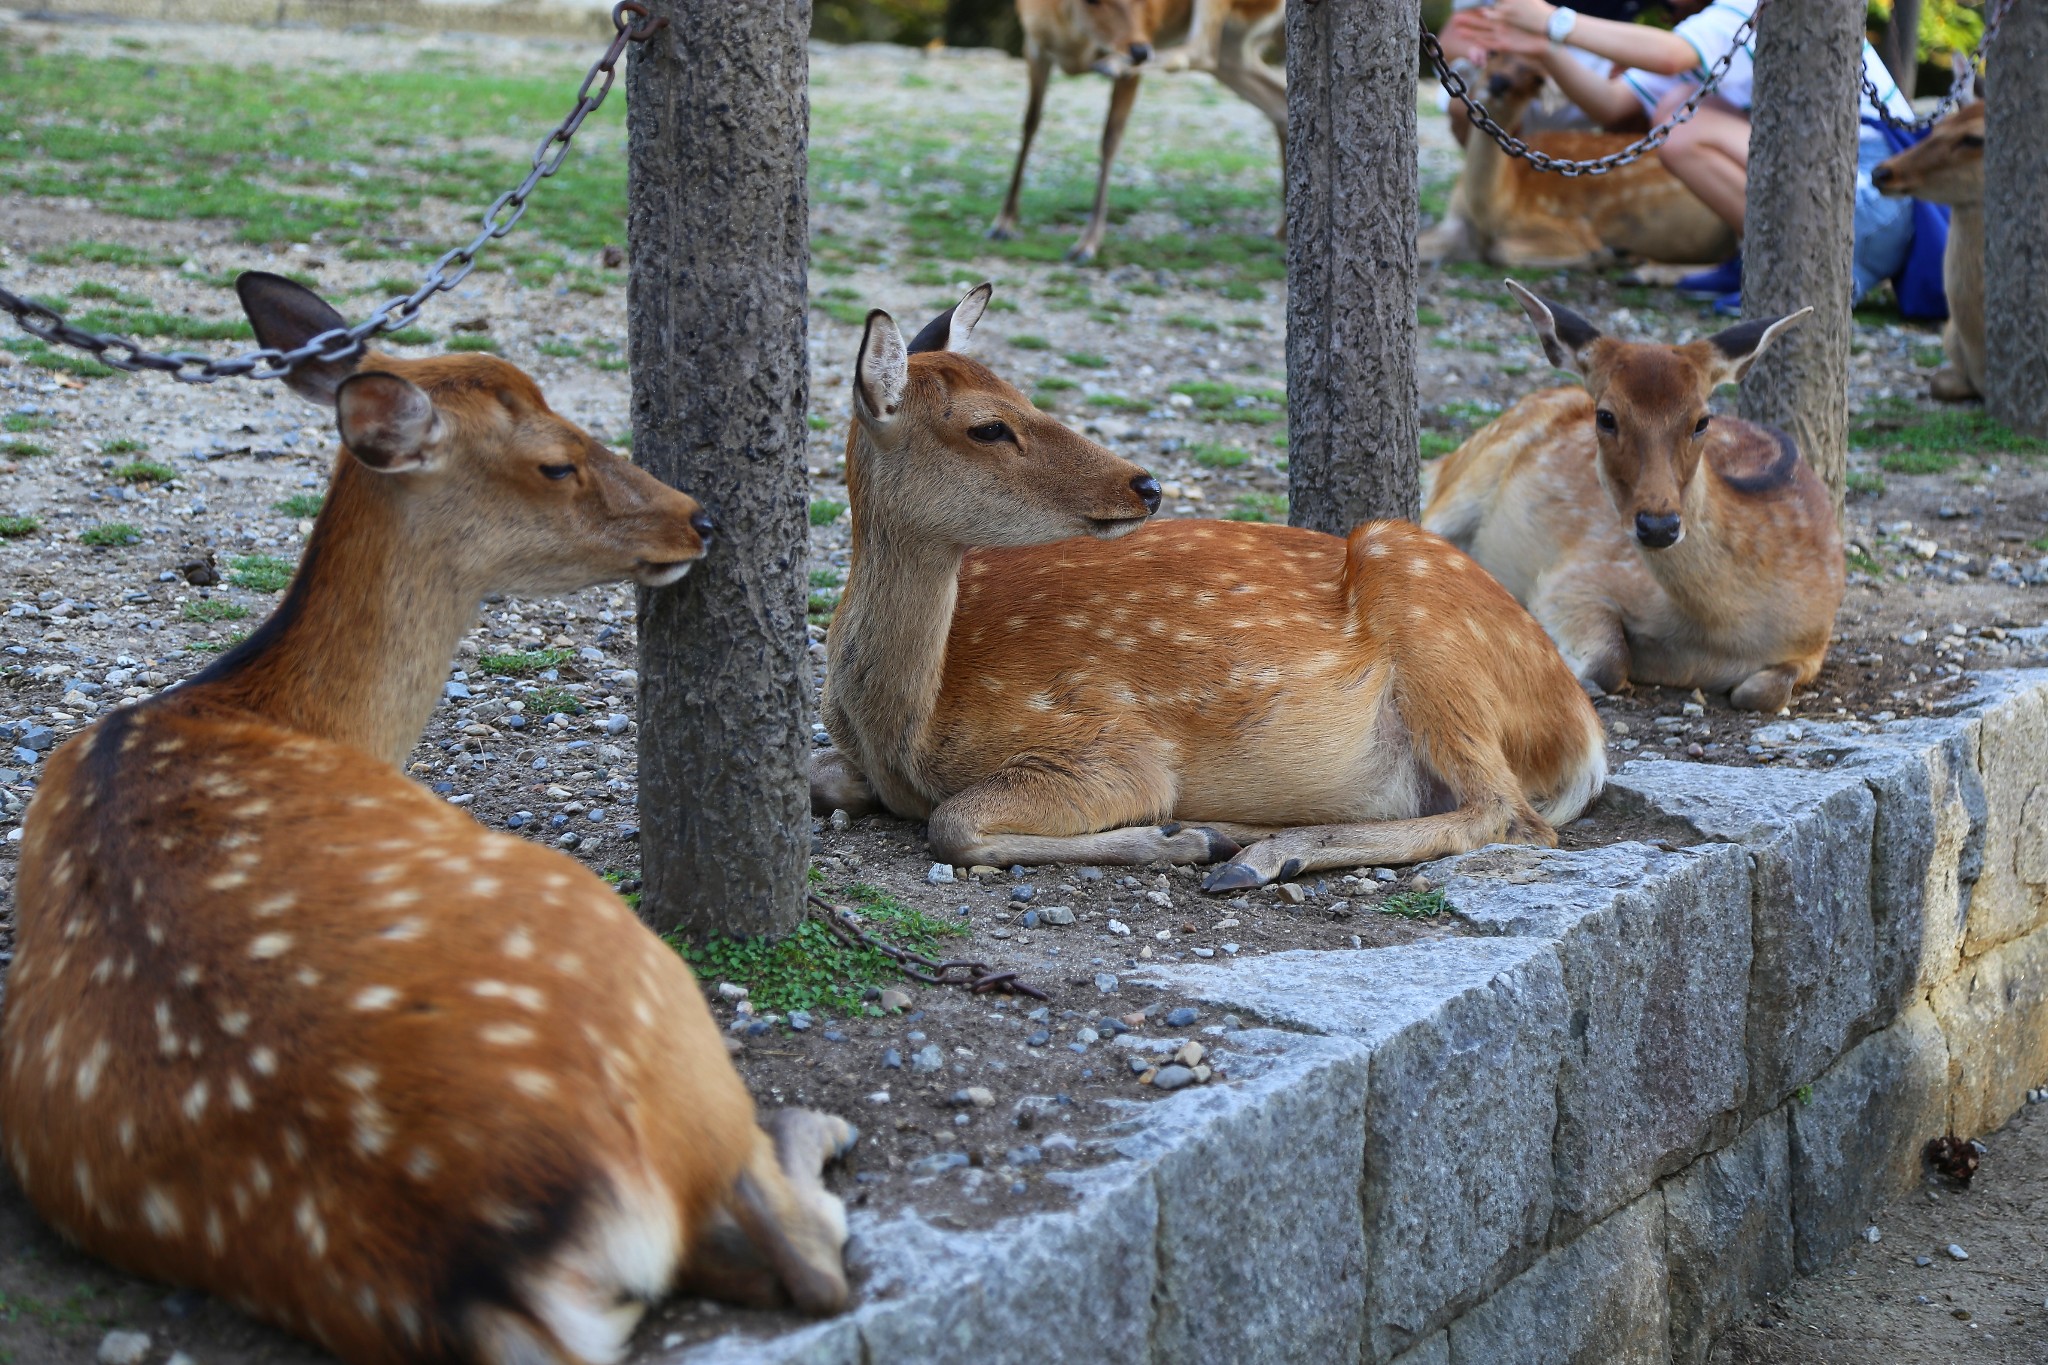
(1796, 249)
(1351, 218)
(1901, 50)
(2016, 221)
(717, 118)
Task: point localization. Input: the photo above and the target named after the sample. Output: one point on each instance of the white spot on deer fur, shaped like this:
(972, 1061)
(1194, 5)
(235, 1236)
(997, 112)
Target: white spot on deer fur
(253, 809)
(485, 886)
(506, 1035)
(155, 931)
(269, 945)
(259, 1176)
(1039, 701)
(124, 1133)
(227, 881)
(101, 972)
(373, 1127)
(642, 1013)
(188, 976)
(366, 1302)
(263, 1062)
(270, 906)
(569, 964)
(357, 1077)
(382, 873)
(194, 1103)
(161, 1212)
(238, 1094)
(88, 1078)
(294, 1145)
(310, 1226)
(398, 899)
(234, 1022)
(306, 976)
(518, 943)
(375, 998)
(533, 1083)
(81, 1175)
(421, 1164)
(406, 930)
(525, 996)
(1376, 551)
(169, 746)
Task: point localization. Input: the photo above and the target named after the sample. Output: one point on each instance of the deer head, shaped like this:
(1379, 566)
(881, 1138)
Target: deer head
(1512, 83)
(487, 478)
(945, 451)
(1650, 411)
(1945, 167)
(1121, 29)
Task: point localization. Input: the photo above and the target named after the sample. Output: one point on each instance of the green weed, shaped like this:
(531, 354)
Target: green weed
(22, 450)
(260, 573)
(824, 511)
(1025, 341)
(26, 421)
(123, 445)
(1211, 455)
(110, 533)
(301, 505)
(1118, 402)
(145, 471)
(826, 578)
(470, 341)
(1087, 360)
(549, 700)
(524, 663)
(12, 528)
(1258, 507)
(1414, 904)
(1862, 481)
(213, 609)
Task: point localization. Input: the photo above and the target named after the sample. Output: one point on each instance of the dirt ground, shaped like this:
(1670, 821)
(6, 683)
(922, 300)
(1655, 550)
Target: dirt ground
(1171, 351)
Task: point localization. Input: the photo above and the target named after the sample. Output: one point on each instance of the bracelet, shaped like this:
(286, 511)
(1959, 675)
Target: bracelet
(1562, 21)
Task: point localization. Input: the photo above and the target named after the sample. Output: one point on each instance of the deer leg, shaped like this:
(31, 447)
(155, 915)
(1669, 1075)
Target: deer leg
(1543, 246)
(1586, 628)
(728, 1265)
(1092, 811)
(1767, 690)
(786, 1212)
(1122, 96)
(1242, 73)
(1201, 50)
(1313, 848)
(1005, 226)
(837, 785)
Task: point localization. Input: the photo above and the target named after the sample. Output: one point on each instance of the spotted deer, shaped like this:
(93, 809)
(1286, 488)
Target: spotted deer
(1512, 214)
(1116, 38)
(1654, 541)
(1018, 659)
(1947, 167)
(287, 1028)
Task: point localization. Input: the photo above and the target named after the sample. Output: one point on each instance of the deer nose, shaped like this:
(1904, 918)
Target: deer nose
(1657, 530)
(1147, 489)
(1881, 174)
(704, 526)
(1497, 85)
(1141, 53)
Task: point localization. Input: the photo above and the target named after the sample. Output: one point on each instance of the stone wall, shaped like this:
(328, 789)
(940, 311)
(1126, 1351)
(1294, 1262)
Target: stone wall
(1666, 1080)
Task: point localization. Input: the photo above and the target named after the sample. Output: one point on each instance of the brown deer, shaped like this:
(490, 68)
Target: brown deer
(1016, 661)
(1513, 214)
(285, 1027)
(1116, 38)
(1947, 167)
(1654, 541)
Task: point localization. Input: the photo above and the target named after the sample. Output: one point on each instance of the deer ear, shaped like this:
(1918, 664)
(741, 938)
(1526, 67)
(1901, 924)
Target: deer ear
(949, 330)
(389, 424)
(1564, 334)
(286, 316)
(882, 371)
(1736, 349)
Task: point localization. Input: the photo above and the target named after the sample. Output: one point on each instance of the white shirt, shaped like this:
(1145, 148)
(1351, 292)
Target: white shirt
(1711, 33)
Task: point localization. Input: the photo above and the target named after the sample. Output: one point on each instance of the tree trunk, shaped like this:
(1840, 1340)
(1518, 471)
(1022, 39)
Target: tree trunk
(1901, 50)
(716, 316)
(1800, 230)
(1351, 219)
(2016, 221)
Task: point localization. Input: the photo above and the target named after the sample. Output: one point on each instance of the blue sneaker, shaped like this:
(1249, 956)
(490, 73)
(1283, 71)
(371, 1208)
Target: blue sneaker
(1708, 284)
(1729, 305)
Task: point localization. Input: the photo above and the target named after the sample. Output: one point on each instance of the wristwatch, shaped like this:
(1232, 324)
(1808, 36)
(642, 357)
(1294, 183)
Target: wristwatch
(1562, 21)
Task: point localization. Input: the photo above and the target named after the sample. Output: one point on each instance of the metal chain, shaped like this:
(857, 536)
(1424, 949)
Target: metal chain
(980, 978)
(1961, 86)
(190, 367)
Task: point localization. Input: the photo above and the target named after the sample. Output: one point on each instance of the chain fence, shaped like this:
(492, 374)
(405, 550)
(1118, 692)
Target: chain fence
(191, 367)
(1958, 92)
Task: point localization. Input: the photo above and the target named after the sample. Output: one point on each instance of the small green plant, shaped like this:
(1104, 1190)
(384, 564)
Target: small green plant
(821, 605)
(22, 450)
(826, 578)
(1087, 360)
(123, 445)
(1429, 317)
(93, 289)
(145, 471)
(12, 528)
(1192, 322)
(548, 700)
(1438, 443)
(824, 511)
(1917, 462)
(216, 646)
(1248, 324)
(1211, 455)
(301, 505)
(412, 336)
(1118, 402)
(1025, 341)
(1243, 291)
(524, 663)
(1258, 507)
(1863, 481)
(1862, 563)
(213, 609)
(1054, 383)
(110, 533)
(1928, 357)
(1804, 1094)
(470, 341)
(817, 422)
(1414, 904)
(559, 349)
(260, 573)
(26, 421)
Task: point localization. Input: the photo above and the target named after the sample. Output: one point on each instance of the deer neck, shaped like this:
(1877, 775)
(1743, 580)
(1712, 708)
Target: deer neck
(1962, 267)
(886, 652)
(359, 648)
(1695, 573)
(1481, 177)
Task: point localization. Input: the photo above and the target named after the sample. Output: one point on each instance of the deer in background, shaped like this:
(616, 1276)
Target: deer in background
(1020, 660)
(1654, 541)
(1116, 38)
(287, 1028)
(1947, 167)
(1513, 214)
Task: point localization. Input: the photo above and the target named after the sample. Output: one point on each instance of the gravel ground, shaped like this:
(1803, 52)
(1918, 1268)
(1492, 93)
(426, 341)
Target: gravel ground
(1179, 368)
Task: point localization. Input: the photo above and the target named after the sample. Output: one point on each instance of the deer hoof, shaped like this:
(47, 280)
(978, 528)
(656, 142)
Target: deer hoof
(1001, 232)
(1222, 847)
(1078, 254)
(1232, 877)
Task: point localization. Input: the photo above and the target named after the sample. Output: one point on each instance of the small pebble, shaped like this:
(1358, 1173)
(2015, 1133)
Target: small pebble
(1172, 1078)
(1038, 1039)
(123, 1348)
(1872, 1235)
(799, 1020)
(1291, 892)
(1086, 1035)
(1021, 894)
(1956, 1253)
(1026, 1155)
(927, 1058)
(833, 1035)
(894, 999)
(1190, 1055)
(938, 1163)
(892, 1059)
(1117, 926)
(1182, 1017)
(1058, 914)
(1139, 1065)
(840, 820)
(1923, 1261)
(1105, 982)
(940, 874)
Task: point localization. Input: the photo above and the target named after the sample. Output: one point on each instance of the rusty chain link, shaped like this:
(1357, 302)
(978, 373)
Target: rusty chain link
(980, 978)
(191, 367)
(1635, 151)
(1957, 91)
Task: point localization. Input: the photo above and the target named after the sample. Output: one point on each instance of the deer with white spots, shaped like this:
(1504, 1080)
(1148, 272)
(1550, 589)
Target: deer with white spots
(1021, 661)
(1655, 541)
(285, 1027)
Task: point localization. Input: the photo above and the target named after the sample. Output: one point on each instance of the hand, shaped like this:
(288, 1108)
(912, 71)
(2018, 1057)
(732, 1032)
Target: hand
(1460, 37)
(1495, 36)
(1530, 16)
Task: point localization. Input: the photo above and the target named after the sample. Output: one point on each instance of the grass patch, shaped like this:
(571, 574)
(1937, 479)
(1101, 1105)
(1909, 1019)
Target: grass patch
(1919, 441)
(1862, 481)
(301, 505)
(123, 445)
(1233, 401)
(217, 646)
(22, 450)
(145, 471)
(1414, 904)
(1192, 322)
(1118, 402)
(260, 573)
(26, 421)
(549, 700)
(110, 533)
(1087, 360)
(1025, 341)
(12, 528)
(821, 605)
(35, 353)
(525, 662)
(1438, 443)
(812, 968)
(213, 609)
(817, 423)
(1258, 507)
(412, 336)
(469, 341)
(559, 349)
(826, 578)
(1211, 455)
(825, 511)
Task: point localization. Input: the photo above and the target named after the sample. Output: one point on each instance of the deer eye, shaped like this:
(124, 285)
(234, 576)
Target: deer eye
(990, 433)
(557, 471)
(1604, 420)
(1700, 429)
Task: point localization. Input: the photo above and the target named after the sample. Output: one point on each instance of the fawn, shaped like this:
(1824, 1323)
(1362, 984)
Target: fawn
(285, 1027)
(1513, 214)
(1016, 661)
(1115, 38)
(1947, 167)
(1653, 541)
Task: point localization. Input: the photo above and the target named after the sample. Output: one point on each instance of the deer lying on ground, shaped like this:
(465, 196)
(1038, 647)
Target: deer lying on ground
(1016, 661)
(285, 1027)
(1656, 543)
(1116, 38)
(1947, 167)
(1516, 215)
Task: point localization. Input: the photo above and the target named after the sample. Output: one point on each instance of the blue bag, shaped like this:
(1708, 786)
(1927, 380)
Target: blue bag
(1918, 283)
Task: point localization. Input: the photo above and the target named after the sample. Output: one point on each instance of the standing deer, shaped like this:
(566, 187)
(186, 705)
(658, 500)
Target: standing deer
(1947, 167)
(1116, 37)
(1016, 661)
(1515, 215)
(1654, 541)
(287, 1028)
